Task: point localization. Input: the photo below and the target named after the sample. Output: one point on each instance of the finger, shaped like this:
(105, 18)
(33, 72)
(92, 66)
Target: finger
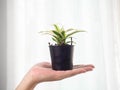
(69, 73)
(73, 72)
(90, 65)
(78, 66)
(88, 68)
(81, 66)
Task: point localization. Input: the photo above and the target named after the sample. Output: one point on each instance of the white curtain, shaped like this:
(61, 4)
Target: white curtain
(100, 45)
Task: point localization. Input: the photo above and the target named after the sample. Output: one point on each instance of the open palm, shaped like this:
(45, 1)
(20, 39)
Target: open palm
(42, 72)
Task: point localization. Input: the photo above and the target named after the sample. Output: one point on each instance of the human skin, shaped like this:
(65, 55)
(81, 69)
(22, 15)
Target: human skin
(42, 72)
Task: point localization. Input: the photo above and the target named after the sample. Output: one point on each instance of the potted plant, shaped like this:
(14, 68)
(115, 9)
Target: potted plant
(62, 51)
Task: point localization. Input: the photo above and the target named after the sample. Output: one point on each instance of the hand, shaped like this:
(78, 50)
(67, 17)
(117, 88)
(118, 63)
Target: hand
(43, 72)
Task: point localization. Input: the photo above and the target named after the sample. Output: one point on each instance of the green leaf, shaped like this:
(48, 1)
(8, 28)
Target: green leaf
(70, 29)
(56, 27)
(55, 40)
(70, 42)
(57, 34)
(63, 34)
(47, 32)
(72, 33)
(60, 36)
(62, 29)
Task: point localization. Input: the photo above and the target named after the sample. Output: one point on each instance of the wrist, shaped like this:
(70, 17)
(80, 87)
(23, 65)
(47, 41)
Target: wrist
(26, 84)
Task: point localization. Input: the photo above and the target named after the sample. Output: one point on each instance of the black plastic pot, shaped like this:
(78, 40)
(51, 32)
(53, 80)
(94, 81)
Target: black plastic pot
(61, 57)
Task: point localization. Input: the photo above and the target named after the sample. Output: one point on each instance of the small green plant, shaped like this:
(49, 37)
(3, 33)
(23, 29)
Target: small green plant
(60, 35)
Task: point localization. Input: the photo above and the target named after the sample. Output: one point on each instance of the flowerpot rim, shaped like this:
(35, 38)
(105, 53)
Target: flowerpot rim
(60, 45)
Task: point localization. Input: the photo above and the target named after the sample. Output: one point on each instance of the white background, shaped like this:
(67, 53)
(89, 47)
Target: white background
(99, 45)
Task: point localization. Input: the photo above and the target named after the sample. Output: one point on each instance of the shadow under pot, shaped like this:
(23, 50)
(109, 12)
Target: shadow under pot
(61, 57)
